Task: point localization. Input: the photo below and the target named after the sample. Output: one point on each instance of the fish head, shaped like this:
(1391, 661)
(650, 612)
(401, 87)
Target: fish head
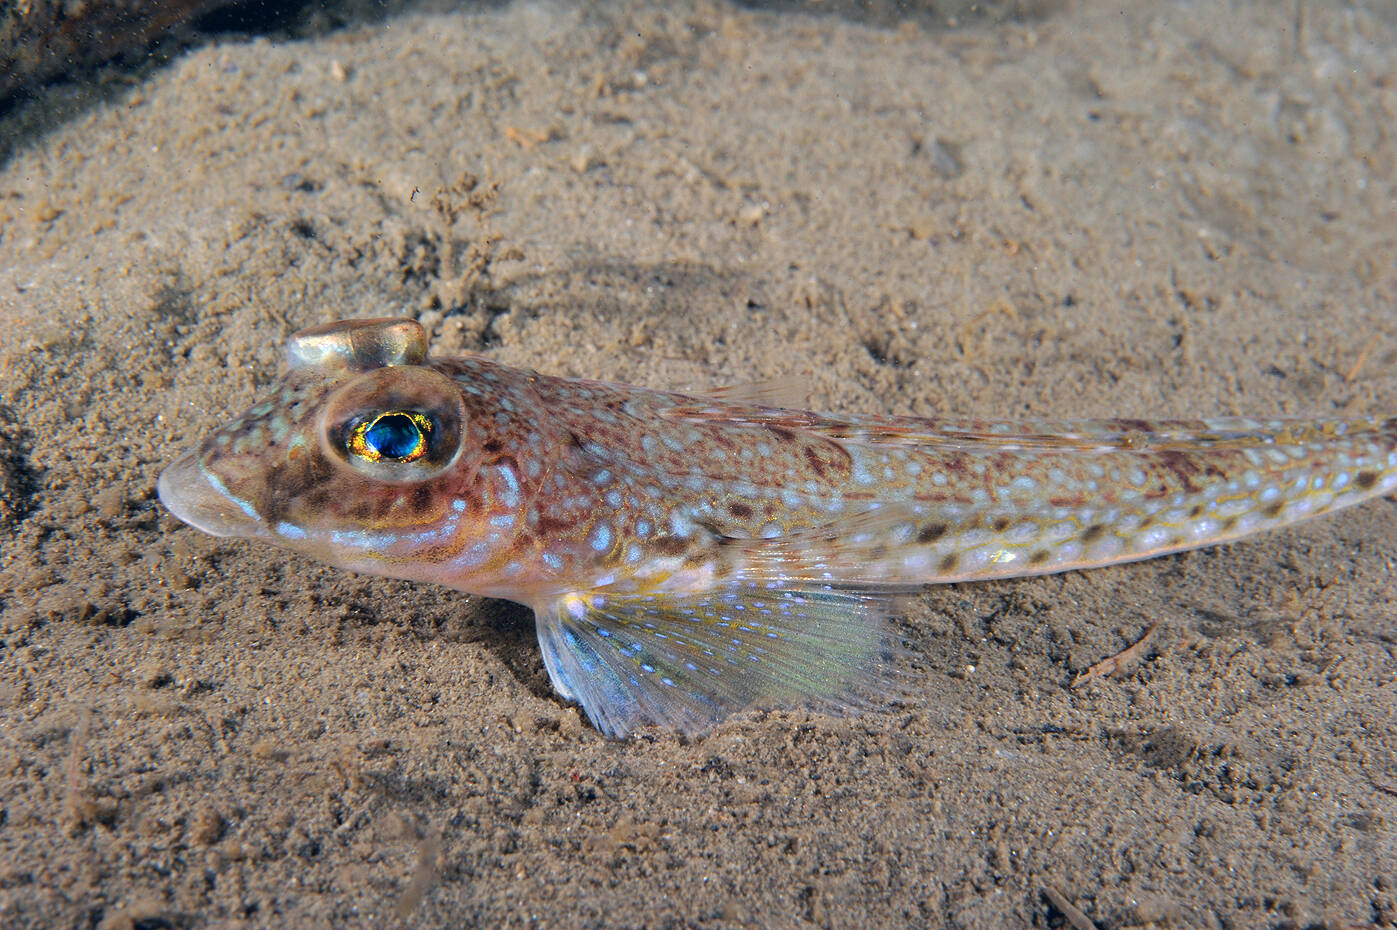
(365, 455)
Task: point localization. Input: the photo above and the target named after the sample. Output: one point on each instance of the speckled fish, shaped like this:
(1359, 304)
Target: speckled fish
(687, 557)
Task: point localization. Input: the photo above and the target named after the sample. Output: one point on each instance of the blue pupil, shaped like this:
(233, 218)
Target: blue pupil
(394, 436)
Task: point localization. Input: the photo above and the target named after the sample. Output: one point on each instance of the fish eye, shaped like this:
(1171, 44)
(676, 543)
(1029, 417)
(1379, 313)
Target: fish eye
(392, 436)
(400, 424)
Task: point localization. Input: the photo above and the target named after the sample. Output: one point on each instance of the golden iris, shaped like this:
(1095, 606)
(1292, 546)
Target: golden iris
(394, 436)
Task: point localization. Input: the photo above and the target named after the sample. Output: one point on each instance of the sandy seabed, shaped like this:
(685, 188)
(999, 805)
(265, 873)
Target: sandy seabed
(1096, 209)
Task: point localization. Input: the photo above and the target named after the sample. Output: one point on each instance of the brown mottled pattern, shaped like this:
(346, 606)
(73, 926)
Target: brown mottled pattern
(688, 556)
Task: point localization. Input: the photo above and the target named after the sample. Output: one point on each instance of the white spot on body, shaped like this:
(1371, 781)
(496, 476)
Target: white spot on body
(289, 531)
(1234, 506)
(1204, 528)
(917, 562)
(1107, 547)
(975, 560)
(1153, 538)
(510, 496)
(972, 538)
(1025, 532)
(474, 556)
(576, 606)
(1066, 553)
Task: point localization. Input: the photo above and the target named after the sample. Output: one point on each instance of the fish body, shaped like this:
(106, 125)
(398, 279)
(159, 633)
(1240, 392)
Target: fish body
(687, 557)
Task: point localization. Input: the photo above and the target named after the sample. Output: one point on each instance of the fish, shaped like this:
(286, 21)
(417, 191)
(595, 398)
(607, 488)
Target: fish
(689, 557)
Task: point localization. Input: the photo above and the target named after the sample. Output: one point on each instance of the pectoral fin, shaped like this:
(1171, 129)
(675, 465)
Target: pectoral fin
(686, 662)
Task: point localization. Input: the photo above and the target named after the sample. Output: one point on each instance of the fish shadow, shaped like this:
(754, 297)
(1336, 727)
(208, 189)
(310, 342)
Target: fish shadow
(508, 632)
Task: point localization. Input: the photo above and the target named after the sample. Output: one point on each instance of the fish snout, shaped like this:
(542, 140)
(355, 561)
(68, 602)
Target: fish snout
(195, 495)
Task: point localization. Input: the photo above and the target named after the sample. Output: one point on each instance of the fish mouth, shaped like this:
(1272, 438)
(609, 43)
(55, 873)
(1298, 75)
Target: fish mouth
(189, 491)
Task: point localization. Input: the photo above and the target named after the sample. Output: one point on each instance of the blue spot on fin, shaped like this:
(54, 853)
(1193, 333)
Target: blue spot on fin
(685, 663)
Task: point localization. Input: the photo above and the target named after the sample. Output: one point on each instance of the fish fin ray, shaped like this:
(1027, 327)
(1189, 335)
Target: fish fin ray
(686, 662)
(780, 393)
(1101, 435)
